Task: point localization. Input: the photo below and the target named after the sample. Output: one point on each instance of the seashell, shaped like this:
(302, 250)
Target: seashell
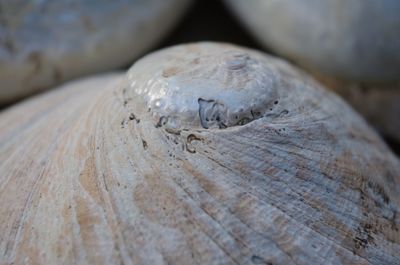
(203, 153)
(355, 40)
(352, 46)
(43, 43)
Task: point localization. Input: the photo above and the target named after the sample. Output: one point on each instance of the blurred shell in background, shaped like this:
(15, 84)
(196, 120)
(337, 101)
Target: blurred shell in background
(355, 42)
(203, 154)
(43, 42)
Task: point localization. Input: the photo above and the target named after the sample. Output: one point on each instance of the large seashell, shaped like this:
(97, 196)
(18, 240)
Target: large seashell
(353, 45)
(203, 154)
(43, 43)
(357, 40)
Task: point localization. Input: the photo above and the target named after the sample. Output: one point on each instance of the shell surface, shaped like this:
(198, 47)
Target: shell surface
(357, 40)
(202, 154)
(43, 43)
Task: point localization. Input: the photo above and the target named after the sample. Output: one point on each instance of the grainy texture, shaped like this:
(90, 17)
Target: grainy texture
(97, 172)
(43, 43)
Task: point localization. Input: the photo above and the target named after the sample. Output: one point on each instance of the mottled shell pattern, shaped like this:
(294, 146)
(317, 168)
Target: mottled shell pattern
(203, 153)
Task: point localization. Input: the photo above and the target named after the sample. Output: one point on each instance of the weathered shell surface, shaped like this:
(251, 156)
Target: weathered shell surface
(203, 154)
(43, 43)
(358, 40)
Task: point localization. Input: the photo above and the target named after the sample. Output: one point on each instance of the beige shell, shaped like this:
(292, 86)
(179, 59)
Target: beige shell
(203, 154)
(43, 43)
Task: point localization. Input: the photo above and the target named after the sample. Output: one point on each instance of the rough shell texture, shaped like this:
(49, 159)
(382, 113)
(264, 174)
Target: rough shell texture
(204, 154)
(43, 43)
(358, 40)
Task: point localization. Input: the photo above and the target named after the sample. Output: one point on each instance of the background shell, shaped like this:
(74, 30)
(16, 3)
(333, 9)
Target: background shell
(357, 40)
(43, 43)
(93, 172)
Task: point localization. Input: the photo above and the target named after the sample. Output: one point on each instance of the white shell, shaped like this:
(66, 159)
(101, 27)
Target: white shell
(43, 43)
(118, 169)
(358, 40)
